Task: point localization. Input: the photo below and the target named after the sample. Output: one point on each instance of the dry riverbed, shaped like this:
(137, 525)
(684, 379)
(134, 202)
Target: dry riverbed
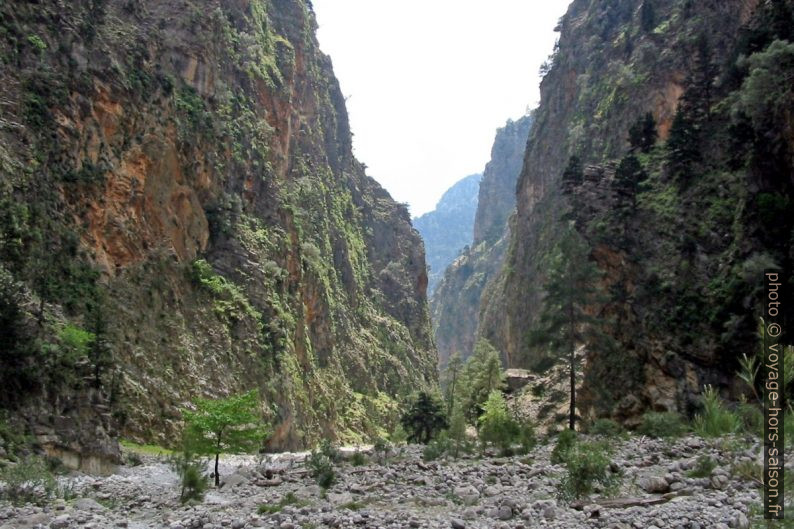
(407, 492)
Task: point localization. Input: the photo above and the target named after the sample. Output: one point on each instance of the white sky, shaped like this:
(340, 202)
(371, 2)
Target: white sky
(428, 82)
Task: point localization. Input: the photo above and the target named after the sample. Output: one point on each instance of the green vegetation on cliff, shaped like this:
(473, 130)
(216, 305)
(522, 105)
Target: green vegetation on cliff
(683, 209)
(185, 217)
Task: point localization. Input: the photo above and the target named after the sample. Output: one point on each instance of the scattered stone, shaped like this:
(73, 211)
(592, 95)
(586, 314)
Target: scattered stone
(61, 522)
(233, 480)
(719, 481)
(654, 484)
(88, 504)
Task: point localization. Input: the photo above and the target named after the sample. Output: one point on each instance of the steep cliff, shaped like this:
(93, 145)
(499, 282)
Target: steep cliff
(181, 215)
(455, 304)
(695, 213)
(448, 228)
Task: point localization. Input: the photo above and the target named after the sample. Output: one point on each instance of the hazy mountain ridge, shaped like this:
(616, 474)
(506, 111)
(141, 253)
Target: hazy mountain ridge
(455, 304)
(448, 228)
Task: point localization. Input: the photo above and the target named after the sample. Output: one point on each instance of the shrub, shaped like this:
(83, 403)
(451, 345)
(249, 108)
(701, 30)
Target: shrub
(398, 436)
(751, 419)
(330, 451)
(267, 508)
(134, 460)
(750, 471)
(288, 499)
(11, 438)
(358, 459)
(192, 478)
(606, 427)
(381, 449)
(438, 447)
(587, 464)
(715, 420)
(28, 481)
(496, 426)
(662, 424)
(703, 467)
(566, 440)
(788, 428)
(321, 468)
(526, 436)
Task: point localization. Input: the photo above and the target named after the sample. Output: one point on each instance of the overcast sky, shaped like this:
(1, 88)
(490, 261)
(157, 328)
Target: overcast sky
(428, 82)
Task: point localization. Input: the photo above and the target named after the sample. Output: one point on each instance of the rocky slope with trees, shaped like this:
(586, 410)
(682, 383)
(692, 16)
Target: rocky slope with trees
(181, 215)
(455, 304)
(664, 138)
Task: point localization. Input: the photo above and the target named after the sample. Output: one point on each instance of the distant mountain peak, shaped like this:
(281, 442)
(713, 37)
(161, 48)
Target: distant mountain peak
(449, 228)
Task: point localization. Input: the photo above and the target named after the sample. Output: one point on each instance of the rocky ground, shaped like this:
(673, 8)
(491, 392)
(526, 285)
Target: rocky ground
(407, 492)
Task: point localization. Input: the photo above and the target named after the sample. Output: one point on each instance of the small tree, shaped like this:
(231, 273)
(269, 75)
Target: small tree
(647, 16)
(642, 134)
(565, 322)
(481, 375)
(450, 380)
(683, 144)
(230, 425)
(573, 175)
(192, 479)
(628, 177)
(496, 425)
(424, 419)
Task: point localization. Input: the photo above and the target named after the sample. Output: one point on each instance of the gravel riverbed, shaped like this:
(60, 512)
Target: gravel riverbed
(406, 492)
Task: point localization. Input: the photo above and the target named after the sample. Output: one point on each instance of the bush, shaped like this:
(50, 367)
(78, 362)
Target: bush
(424, 419)
(606, 427)
(28, 481)
(751, 419)
(587, 465)
(288, 499)
(715, 420)
(499, 428)
(566, 440)
(662, 424)
(496, 426)
(321, 468)
(358, 459)
(192, 478)
(398, 436)
(526, 436)
(330, 451)
(438, 447)
(381, 449)
(703, 467)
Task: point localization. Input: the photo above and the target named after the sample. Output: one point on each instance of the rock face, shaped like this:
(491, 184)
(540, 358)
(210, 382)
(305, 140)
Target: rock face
(448, 228)
(455, 304)
(683, 256)
(181, 215)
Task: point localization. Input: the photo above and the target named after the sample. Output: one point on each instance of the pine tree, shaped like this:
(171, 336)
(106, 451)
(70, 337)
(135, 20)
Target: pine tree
(647, 16)
(424, 419)
(703, 71)
(482, 374)
(565, 321)
(573, 175)
(682, 145)
(626, 183)
(450, 379)
(642, 134)
(628, 176)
